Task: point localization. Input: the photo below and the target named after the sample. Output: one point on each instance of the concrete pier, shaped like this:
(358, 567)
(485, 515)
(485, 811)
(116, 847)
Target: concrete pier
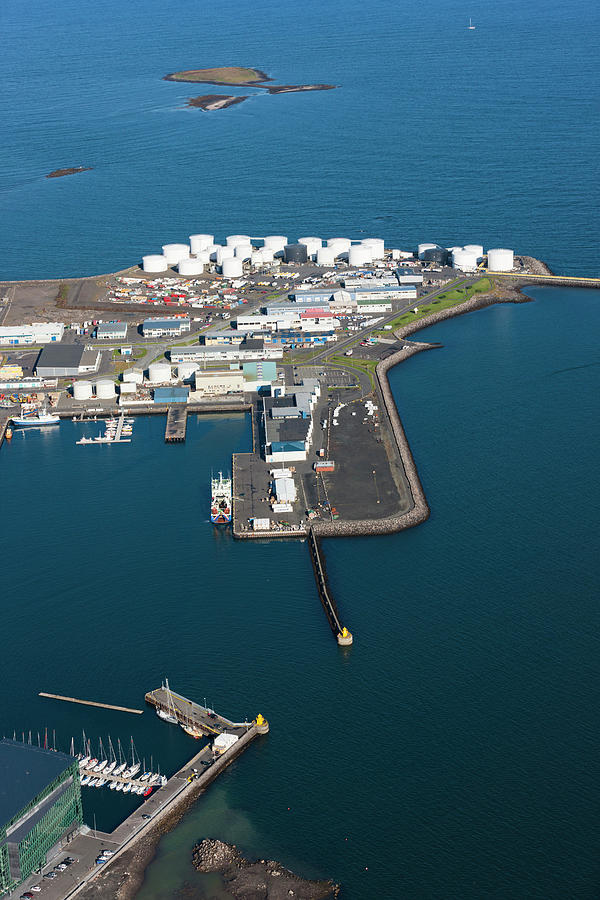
(190, 714)
(176, 425)
(342, 635)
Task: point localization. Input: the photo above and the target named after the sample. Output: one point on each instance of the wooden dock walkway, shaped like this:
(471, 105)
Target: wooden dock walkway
(176, 425)
(91, 703)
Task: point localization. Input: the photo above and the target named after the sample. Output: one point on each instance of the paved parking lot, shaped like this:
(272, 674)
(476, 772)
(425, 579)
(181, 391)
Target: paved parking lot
(329, 376)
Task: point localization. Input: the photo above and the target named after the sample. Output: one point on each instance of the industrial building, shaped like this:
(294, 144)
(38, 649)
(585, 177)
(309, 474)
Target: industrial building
(250, 348)
(165, 327)
(207, 384)
(40, 807)
(409, 276)
(287, 422)
(298, 339)
(171, 395)
(66, 360)
(38, 333)
(111, 331)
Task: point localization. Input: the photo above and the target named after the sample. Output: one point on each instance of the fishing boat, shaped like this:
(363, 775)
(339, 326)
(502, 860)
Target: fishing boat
(170, 713)
(192, 731)
(220, 504)
(37, 418)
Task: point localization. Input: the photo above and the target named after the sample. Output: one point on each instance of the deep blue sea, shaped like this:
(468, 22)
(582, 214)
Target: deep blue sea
(453, 753)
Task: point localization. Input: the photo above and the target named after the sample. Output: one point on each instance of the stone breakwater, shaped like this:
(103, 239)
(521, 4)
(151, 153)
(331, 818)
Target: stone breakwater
(265, 879)
(476, 302)
(420, 510)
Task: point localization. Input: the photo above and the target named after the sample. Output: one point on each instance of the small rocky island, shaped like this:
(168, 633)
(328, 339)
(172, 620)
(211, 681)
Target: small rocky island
(235, 76)
(262, 880)
(214, 101)
(59, 173)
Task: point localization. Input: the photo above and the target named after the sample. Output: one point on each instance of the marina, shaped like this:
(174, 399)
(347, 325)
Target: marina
(117, 431)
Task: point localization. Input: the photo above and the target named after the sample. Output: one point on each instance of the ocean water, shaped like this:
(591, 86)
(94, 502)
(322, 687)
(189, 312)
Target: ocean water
(435, 132)
(452, 753)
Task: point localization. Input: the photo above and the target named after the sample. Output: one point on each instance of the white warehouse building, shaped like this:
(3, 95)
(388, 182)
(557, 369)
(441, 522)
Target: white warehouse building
(38, 333)
(162, 327)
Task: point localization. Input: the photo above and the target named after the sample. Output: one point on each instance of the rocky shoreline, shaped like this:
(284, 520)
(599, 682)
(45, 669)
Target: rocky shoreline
(261, 880)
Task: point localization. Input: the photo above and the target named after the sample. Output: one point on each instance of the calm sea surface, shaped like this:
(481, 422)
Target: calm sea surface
(453, 753)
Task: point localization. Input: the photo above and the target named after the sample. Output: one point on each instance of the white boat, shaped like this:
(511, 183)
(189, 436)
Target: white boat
(140, 789)
(100, 782)
(38, 419)
(108, 770)
(120, 769)
(90, 766)
(471, 26)
(220, 504)
(132, 771)
(92, 782)
(101, 765)
(127, 788)
(170, 713)
(156, 779)
(145, 776)
(85, 779)
(120, 786)
(113, 785)
(83, 762)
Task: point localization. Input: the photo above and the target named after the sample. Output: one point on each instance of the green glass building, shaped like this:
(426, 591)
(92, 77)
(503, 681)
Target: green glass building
(40, 806)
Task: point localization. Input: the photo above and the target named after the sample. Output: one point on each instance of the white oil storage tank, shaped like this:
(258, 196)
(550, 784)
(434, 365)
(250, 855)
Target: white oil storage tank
(105, 389)
(175, 252)
(339, 245)
(376, 245)
(312, 244)
(325, 256)
(464, 260)
(186, 370)
(234, 239)
(243, 251)
(224, 253)
(159, 373)
(199, 242)
(359, 255)
(155, 262)
(127, 387)
(476, 249)
(423, 247)
(501, 260)
(82, 390)
(232, 268)
(190, 267)
(134, 376)
(275, 242)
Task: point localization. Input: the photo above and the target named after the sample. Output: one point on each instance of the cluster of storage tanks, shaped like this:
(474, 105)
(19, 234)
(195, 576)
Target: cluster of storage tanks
(467, 258)
(191, 258)
(102, 390)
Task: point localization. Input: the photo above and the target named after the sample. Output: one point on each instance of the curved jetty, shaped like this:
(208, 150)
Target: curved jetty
(294, 88)
(265, 878)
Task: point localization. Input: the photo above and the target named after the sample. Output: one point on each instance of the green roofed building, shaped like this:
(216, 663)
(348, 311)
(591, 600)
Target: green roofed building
(40, 806)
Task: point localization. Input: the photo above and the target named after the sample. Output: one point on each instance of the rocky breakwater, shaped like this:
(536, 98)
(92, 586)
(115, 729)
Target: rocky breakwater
(261, 880)
(478, 301)
(419, 511)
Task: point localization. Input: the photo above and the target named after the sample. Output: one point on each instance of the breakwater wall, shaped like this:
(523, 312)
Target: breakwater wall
(419, 511)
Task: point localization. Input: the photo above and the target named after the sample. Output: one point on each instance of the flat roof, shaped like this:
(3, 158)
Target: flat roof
(108, 327)
(65, 355)
(25, 771)
(163, 323)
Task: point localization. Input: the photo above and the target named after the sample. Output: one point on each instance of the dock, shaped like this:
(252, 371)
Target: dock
(341, 633)
(192, 715)
(91, 703)
(176, 425)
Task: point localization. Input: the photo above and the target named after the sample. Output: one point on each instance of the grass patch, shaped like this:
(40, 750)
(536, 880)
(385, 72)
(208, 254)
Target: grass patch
(446, 300)
(220, 75)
